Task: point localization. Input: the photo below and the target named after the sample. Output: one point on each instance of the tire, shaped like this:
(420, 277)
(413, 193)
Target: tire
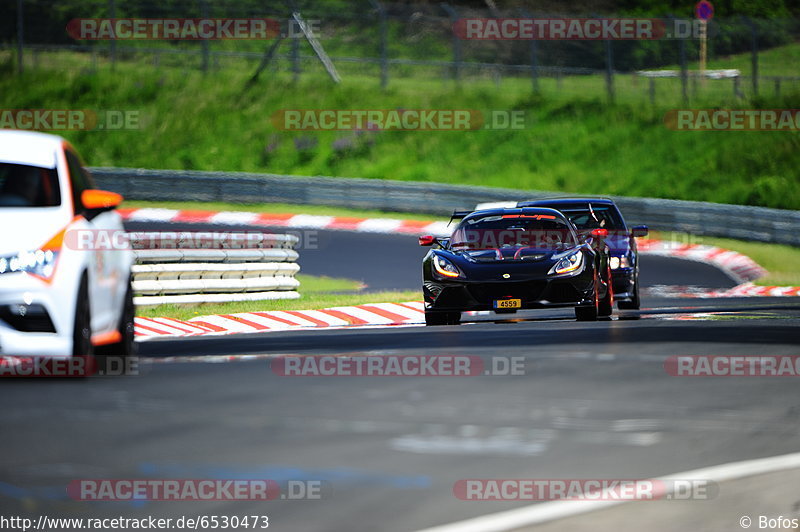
(114, 356)
(634, 303)
(82, 329)
(605, 307)
(589, 312)
(433, 317)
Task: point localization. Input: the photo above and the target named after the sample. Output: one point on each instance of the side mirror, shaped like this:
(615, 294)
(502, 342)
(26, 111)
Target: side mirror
(100, 199)
(599, 233)
(426, 240)
(639, 230)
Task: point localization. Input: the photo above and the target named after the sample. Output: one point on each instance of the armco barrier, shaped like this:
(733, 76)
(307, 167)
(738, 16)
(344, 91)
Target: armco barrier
(711, 219)
(180, 274)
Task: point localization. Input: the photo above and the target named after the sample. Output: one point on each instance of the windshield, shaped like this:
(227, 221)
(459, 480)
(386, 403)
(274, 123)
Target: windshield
(28, 186)
(594, 217)
(512, 230)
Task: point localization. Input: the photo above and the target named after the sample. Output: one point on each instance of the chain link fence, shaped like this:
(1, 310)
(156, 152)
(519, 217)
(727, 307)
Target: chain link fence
(388, 42)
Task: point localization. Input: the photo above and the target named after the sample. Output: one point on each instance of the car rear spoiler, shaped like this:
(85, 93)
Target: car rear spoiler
(458, 215)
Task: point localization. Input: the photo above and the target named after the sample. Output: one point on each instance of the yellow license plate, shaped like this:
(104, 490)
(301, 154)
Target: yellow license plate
(508, 303)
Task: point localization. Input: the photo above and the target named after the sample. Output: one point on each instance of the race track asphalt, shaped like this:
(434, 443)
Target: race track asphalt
(593, 401)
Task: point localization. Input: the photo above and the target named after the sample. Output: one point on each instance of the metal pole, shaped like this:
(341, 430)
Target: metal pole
(20, 40)
(384, 45)
(703, 50)
(610, 71)
(456, 42)
(206, 46)
(684, 71)
(534, 53)
(754, 54)
(295, 60)
(112, 12)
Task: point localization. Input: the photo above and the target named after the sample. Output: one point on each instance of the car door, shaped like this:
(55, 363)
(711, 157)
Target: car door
(104, 274)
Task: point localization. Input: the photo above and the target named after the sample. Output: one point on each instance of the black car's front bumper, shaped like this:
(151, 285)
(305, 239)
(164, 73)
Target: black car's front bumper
(623, 282)
(481, 295)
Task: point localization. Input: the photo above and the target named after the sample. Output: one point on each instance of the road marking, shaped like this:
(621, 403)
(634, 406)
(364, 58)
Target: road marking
(550, 511)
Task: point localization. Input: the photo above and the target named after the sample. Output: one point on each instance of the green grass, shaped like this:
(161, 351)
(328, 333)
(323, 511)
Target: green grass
(573, 141)
(782, 262)
(315, 293)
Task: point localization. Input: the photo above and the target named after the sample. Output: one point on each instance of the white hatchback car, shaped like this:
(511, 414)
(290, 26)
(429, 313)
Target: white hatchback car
(58, 299)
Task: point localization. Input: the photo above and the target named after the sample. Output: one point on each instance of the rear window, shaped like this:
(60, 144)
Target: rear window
(28, 186)
(599, 216)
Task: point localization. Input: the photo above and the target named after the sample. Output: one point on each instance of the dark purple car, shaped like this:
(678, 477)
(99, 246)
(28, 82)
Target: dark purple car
(592, 213)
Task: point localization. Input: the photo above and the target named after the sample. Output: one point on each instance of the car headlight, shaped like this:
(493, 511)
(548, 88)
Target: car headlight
(444, 267)
(39, 262)
(619, 262)
(570, 263)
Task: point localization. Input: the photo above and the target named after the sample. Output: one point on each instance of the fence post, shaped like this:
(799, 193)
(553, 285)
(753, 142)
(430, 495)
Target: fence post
(295, 60)
(652, 91)
(112, 44)
(754, 53)
(534, 53)
(684, 72)
(384, 44)
(20, 39)
(205, 43)
(610, 71)
(456, 41)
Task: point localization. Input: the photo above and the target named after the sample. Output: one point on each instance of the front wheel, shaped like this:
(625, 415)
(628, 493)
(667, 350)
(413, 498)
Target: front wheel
(606, 305)
(634, 303)
(82, 331)
(590, 312)
(114, 357)
(435, 317)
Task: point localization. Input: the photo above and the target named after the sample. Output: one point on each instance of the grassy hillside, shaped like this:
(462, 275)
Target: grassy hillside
(573, 140)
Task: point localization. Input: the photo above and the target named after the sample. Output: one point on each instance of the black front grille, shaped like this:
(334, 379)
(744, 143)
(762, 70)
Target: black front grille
(526, 291)
(27, 318)
(563, 292)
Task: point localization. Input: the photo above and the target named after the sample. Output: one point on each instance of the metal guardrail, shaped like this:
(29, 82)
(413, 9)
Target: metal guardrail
(702, 218)
(180, 274)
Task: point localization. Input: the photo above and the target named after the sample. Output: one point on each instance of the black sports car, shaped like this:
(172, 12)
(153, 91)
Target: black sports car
(592, 213)
(509, 259)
